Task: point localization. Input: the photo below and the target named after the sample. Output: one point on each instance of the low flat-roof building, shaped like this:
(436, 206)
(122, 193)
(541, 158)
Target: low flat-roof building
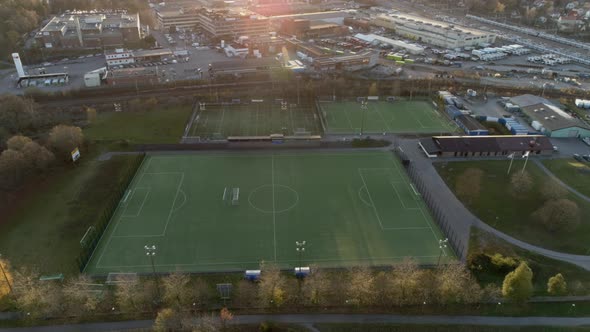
(470, 125)
(346, 62)
(434, 32)
(549, 119)
(398, 44)
(485, 146)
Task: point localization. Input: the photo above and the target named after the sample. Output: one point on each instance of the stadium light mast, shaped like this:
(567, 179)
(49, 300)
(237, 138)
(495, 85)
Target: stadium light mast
(300, 249)
(5, 276)
(150, 251)
(442, 245)
(364, 108)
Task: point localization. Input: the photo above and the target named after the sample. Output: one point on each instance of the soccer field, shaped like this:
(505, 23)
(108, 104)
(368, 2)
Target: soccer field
(384, 117)
(229, 211)
(255, 119)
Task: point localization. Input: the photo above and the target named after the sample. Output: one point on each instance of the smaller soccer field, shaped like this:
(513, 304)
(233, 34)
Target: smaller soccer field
(399, 116)
(254, 119)
(219, 212)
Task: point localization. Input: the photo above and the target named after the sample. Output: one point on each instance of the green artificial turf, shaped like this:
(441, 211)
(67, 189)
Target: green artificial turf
(350, 208)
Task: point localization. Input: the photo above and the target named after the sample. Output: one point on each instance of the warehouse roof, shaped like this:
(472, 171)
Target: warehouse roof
(552, 117)
(487, 143)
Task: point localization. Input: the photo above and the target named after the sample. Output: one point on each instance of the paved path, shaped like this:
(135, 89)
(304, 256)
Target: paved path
(463, 218)
(310, 320)
(565, 185)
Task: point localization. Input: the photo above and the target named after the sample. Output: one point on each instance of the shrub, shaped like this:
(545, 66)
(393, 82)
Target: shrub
(558, 215)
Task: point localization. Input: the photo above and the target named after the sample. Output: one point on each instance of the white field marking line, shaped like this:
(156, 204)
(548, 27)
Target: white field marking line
(258, 262)
(406, 180)
(381, 116)
(414, 189)
(400, 198)
(361, 197)
(104, 248)
(180, 183)
(224, 193)
(274, 224)
(276, 154)
(371, 198)
(418, 120)
(140, 207)
(348, 118)
(183, 202)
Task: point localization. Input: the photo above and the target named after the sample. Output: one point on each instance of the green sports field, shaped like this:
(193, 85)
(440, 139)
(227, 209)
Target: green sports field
(351, 209)
(254, 119)
(380, 117)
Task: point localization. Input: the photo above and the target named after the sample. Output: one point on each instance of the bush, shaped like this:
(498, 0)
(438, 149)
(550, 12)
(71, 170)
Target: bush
(503, 263)
(558, 215)
(520, 184)
(557, 285)
(553, 190)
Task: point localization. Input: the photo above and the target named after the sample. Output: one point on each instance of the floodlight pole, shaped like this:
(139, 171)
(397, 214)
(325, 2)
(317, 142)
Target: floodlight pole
(442, 245)
(150, 251)
(510, 166)
(5, 276)
(300, 249)
(364, 108)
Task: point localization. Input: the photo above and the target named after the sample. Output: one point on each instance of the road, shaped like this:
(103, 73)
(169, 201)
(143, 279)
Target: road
(310, 320)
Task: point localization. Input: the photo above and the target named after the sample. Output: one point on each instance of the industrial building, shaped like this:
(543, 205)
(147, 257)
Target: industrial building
(217, 23)
(121, 56)
(131, 76)
(485, 146)
(243, 68)
(470, 125)
(346, 62)
(433, 32)
(397, 44)
(84, 29)
(549, 119)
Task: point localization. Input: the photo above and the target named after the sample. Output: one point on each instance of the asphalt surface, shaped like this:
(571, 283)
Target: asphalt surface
(310, 320)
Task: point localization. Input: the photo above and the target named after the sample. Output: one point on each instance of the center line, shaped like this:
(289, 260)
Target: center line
(274, 225)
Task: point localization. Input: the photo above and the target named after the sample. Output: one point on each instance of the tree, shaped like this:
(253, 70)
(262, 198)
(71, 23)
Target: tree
(225, 316)
(176, 290)
(38, 156)
(520, 184)
(64, 139)
(456, 285)
(552, 189)
(361, 289)
(245, 294)
(556, 285)
(38, 299)
(12, 168)
(18, 142)
(271, 286)
(167, 320)
(91, 114)
(405, 279)
(18, 114)
(134, 296)
(468, 185)
(6, 279)
(558, 215)
(81, 295)
(518, 284)
(316, 286)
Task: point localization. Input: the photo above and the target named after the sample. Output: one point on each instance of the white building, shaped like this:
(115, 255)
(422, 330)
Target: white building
(119, 57)
(433, 32)
(372, 38)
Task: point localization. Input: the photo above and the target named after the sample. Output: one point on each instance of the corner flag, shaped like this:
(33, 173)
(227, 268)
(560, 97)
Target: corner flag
(526, 155)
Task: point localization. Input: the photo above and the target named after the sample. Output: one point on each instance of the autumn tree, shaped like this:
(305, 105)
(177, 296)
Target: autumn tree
(64, 139)
(133, 295)
(245, 294)
(38, 299)
(456, 285)
(361, 288)
(176, 290)
(405, 279)
(82, 295)
(18, 114)
(521, 183)
(518, 284)
(12, 168)
(316, 286)
(271, 287)
(6, 278)
(225, 316)
(556, 285)
(468, 184)
(558, 215)
(168, 320)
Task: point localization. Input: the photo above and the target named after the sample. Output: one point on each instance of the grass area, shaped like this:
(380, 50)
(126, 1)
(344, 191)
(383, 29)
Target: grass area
(496, 205)
(374, 327)
(50, 218)
(255, 119)
(351, 208)
(574, 173)
(384, 117)
(161, 125)
(482, 243)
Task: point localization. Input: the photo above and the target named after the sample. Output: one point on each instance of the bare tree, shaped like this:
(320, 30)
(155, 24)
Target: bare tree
(135, 296)
(520, 184)
(316, 286)
(405, 279)
(82, 295)
(167, 320)
(456, 285)
(176, 290)
(558, 215)
(38, 299)
(245, 294)
(361, 288)
(17, 142)
(552, 189)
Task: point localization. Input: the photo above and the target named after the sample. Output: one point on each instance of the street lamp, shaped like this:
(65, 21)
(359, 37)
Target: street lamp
(150, 251)
(300, 249)
(5, 276)
(442, 245)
